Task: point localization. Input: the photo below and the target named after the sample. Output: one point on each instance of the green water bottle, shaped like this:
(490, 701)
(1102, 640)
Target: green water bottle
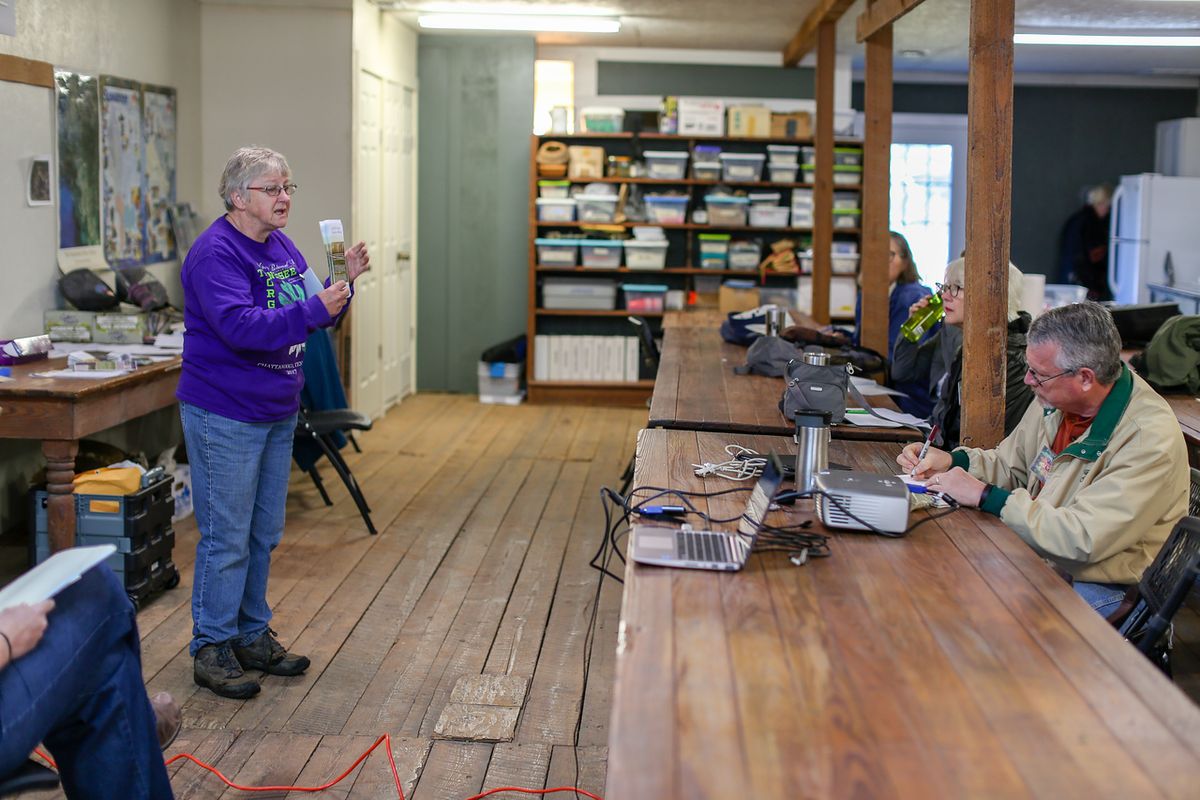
(923, 319)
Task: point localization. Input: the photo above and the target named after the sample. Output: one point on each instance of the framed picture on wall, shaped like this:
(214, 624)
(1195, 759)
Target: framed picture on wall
(37, 186)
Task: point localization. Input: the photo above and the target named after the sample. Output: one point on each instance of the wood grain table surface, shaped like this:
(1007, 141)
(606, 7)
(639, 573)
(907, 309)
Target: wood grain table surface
(61, 411)
(950, 663)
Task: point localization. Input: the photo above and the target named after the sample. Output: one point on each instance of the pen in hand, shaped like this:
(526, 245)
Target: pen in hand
(924, 450)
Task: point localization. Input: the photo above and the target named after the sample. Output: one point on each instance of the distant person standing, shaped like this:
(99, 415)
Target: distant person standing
(1083, 244)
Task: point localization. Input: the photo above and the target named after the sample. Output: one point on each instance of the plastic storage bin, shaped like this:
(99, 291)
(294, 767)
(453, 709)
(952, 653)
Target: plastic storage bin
(845, 201)
(783, 173)
(764, 198)
(1063, 294)
(783, 155)
(726, 209)
(666, 165)
(714, 250)
(742, 166)
(579, 294)
(600, 253)
(554, 190)
(644, 298)
(706, 170)
(769, 216)
(555, 209)
(601, 119)
(844, 175)
(744, 255)
(666, 209)
(847, 156)
(500, 382)
(557, 252)
(846, 219)
(596, 207)
(645, 254)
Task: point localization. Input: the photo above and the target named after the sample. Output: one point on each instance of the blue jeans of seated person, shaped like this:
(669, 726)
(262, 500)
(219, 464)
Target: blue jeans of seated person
(80, 691)
(239, 493)
(1102, 597)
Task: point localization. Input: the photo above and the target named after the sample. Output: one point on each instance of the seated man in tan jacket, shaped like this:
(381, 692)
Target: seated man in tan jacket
(1094, 476)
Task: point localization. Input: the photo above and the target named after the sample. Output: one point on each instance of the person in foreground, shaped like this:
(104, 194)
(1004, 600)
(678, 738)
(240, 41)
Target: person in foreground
(71, 678)
(247, 316)
(1094, 477)
(937, 361)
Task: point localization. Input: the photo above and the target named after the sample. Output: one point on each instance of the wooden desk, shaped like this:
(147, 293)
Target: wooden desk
(952, 663)
(696, 389)
(61, 411)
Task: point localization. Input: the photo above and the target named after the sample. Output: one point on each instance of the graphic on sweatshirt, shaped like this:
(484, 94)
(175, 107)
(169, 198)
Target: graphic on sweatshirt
(284, 287)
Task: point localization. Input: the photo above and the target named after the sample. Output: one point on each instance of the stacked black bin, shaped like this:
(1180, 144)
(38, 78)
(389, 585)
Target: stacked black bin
(138, 525)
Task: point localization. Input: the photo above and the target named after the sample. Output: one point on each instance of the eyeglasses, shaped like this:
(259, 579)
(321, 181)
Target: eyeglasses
(273, 190)
(950, 290)
(1040, 381)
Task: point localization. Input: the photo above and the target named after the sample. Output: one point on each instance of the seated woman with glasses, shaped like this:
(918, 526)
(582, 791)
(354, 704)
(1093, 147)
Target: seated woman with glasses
(937, 362)
(904, 289)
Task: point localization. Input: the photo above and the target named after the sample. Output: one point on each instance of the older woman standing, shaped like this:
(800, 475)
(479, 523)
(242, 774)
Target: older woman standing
(247, 317)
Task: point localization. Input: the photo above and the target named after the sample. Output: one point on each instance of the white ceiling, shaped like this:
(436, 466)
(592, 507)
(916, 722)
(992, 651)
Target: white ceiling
(935, 33)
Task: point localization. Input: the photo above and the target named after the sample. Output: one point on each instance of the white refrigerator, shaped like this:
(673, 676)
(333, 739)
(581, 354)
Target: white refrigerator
(1154, 219)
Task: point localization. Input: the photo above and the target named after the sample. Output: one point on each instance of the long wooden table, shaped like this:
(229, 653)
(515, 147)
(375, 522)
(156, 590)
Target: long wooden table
(61, 411)
(951, 663)
(697, 389)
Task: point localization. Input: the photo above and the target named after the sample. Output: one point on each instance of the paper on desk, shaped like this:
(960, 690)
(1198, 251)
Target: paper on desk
(864, 419)
(869, 387)
(901, 417)
(94, 374)
(171, 341)
(53, 575)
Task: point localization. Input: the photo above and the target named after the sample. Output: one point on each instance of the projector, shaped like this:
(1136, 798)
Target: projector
(880, 500)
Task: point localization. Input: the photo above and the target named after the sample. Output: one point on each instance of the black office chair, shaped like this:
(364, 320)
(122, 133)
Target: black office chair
(31, 776)
(1144, 617)
(1194, 494)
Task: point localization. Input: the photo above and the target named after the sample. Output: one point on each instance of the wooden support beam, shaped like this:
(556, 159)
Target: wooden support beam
(25, 70)
(882, 14)
(806, 38)
(823, 180)
(876, 190)
(989, 201)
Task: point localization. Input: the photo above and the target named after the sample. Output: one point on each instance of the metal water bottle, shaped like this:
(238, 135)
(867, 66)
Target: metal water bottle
(812, 448)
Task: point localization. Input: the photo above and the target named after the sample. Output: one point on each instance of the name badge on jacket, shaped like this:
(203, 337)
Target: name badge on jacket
(1042, 465)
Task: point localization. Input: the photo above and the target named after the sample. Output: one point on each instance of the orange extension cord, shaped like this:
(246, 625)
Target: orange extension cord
(385, 740)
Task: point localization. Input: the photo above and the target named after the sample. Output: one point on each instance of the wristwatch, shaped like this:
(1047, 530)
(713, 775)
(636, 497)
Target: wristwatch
(983, 496)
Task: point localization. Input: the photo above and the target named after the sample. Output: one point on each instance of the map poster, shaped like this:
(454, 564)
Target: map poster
(122, 172)
(158, 126)
(78, 122)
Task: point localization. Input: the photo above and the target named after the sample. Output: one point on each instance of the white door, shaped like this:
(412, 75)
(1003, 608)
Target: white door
(396, 272)
(367, 359)
(407, 220)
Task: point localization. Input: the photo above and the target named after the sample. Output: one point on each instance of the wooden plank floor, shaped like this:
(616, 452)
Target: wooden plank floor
(488, 517)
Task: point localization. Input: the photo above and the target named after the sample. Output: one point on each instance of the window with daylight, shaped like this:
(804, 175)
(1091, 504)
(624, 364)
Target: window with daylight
(922, 176)
(553, 86)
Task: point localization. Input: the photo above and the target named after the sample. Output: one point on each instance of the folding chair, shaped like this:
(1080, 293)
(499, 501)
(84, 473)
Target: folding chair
(1144, 617)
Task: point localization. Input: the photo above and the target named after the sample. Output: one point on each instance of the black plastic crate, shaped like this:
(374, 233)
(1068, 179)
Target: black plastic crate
(146, 512)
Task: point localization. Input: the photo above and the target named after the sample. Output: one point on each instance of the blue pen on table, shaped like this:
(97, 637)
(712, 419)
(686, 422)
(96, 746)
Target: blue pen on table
(924, 450)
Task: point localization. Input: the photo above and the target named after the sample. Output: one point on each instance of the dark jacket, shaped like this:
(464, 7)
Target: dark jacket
(918, 401)
(939, 362)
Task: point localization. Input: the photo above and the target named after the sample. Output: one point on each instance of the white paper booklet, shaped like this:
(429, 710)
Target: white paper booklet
(53, 575)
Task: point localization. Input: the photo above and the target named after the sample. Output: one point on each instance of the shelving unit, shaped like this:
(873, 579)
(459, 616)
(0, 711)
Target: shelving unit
(683, 253)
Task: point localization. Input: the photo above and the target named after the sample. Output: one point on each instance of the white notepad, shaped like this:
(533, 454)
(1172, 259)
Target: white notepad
(53, 575)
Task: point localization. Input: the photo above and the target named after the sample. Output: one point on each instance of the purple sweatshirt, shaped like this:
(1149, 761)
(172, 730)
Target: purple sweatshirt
(247, 317)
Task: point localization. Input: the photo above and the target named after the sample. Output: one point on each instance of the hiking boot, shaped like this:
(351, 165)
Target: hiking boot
(267, 654)
(167, 718)
(216, 667)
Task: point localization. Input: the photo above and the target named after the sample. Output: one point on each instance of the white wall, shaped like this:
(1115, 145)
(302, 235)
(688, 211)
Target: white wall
(384, 45)
(153, 41)
(280, 77)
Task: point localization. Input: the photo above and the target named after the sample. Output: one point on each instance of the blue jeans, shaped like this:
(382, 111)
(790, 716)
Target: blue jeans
(80, 691)
(239, 493)
(1102, 597)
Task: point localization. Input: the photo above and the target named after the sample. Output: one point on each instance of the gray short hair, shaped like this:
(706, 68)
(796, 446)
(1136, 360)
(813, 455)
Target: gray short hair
(1086, 337)
(956, 271)
(244, 166)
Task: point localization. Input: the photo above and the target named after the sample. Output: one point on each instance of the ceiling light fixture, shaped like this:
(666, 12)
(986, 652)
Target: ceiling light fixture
(1106, 40)
(549, 23)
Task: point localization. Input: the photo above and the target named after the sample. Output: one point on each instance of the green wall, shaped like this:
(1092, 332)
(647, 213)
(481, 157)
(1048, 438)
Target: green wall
(473, 205)
(1065, 139)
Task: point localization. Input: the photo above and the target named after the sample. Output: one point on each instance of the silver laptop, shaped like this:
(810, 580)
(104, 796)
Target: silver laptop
(722, 550)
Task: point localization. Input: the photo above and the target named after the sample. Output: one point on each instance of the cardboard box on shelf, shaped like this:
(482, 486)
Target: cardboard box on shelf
(585, 162)
(749, 121)
(700, 116)
(792, 125)
(737, 296)
(69, 326)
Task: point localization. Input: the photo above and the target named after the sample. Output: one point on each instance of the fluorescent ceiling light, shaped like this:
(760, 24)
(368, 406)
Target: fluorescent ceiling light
(1106, 40)
(520, 22)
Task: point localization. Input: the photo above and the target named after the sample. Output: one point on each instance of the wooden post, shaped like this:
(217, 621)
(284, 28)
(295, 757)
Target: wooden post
(989, 201)
(60, 502)
(877, 164)
(823, 183)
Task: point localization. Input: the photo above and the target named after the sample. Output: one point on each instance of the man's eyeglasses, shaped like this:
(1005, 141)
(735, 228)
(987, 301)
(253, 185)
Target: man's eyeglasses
(1040, 381)
(950, 290)
(273, 191)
